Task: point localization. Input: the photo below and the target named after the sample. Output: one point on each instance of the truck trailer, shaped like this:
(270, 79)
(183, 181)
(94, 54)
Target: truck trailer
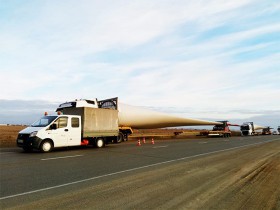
(81, 126)
(221, 130)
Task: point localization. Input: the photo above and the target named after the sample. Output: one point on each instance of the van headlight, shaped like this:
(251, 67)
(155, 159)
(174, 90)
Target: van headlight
(33, 134)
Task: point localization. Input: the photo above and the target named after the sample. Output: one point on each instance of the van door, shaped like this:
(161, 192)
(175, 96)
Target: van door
(60, 135)
(74, 131)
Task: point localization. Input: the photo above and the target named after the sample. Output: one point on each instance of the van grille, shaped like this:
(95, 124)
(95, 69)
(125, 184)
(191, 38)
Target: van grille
(23, 136)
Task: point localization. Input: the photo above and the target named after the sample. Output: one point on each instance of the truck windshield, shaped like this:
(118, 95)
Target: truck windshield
(44, 121)
(244, 127)
(218, 128)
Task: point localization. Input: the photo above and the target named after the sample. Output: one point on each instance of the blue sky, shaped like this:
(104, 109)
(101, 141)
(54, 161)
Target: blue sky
(201, 59)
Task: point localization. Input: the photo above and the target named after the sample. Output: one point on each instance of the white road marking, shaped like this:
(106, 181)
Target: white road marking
(132, 169)
(62, 157)
(3, 153)
(160, 146)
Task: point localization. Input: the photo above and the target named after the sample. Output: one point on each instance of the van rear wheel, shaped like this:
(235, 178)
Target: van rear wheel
(100, 142)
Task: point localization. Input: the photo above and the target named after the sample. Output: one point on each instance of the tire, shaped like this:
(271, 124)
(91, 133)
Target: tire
(100, 143)
(120, 137)
(46, 146)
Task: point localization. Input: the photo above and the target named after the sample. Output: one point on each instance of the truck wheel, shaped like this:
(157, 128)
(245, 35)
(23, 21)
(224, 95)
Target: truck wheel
(100, 143)
(120, 138)
(46, 146)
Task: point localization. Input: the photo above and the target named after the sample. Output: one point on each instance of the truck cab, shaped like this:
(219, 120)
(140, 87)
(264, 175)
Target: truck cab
(111, 103)
(247, 129)
(79, 103)
(51, 132)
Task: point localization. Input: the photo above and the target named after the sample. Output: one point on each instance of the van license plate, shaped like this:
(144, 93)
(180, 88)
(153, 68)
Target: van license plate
(20, 141)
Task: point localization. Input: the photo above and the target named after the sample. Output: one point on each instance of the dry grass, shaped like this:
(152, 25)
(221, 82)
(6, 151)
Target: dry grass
(8, 135)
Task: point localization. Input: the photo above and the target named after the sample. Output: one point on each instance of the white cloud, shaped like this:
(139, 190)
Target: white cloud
(50, 51)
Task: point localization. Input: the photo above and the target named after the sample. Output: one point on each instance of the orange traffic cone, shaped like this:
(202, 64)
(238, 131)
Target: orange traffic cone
(144, 140)
(153, 142)
(139, 143)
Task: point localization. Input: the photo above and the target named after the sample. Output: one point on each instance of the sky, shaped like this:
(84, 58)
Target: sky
(205, 59)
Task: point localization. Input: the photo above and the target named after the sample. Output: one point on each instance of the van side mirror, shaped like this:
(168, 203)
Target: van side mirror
(53, 126)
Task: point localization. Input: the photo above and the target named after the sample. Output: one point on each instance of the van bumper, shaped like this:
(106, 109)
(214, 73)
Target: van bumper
(24, 141)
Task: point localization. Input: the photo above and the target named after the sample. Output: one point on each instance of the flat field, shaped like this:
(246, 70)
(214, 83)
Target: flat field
(8, 135)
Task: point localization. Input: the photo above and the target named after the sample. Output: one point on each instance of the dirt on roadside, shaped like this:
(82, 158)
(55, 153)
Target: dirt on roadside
(8, 135)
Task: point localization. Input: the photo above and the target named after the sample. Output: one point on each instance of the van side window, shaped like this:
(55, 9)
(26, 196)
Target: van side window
(62, 122)
(75, 122)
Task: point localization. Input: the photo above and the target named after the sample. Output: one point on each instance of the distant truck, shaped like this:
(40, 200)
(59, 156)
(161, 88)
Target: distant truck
(267, 131)
(221, 130)
(275, 133)
(250, 129)
(79, 126)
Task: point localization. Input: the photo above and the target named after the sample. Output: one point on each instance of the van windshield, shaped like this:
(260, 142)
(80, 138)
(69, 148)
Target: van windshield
(44, 121)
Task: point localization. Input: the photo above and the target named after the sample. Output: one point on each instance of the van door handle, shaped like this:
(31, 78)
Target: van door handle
(65, 129)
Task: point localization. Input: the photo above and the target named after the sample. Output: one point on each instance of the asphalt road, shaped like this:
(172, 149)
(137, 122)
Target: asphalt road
(29, 177)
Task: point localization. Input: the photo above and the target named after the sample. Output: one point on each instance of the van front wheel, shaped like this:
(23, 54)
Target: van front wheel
(46, 146)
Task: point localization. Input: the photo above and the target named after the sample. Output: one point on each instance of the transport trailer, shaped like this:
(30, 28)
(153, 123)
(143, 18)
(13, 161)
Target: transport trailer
(267, 131)
(221, 130)
(79, 127)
